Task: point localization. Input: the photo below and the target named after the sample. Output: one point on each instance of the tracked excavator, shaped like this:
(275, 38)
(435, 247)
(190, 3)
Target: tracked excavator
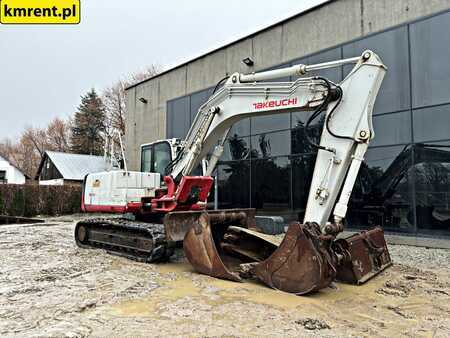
(167, 205)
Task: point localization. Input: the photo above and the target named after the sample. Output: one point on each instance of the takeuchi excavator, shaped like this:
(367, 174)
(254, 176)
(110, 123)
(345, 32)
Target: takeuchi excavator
(168, 205)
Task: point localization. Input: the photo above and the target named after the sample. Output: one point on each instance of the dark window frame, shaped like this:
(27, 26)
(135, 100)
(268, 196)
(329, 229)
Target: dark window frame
(151, 146)
(3, 178)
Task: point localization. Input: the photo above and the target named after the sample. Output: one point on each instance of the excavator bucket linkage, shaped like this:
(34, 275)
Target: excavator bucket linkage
(227, 244)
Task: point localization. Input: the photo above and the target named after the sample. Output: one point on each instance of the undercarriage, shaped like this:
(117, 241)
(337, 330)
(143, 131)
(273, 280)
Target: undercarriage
(227, 244)
(143, 242)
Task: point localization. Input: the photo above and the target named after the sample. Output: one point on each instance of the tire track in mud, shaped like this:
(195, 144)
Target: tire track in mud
(51, 288)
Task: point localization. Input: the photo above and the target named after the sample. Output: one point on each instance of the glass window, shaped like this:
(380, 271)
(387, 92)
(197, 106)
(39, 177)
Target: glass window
(241, 128)
(169, 120)
(262, 124)
(299, 142)
(236, 148)
(302, 172)
(161, 157)
(431, 124)
(271, 144)
(392, 47)
(430, 55)
(178, 117)
(392, 129)
(197, 100)
(146, 159)
(268, 123)
(271, 184)
(2, 176)
(332, 74)
(432, 186)
(234, 184)
(383, 192)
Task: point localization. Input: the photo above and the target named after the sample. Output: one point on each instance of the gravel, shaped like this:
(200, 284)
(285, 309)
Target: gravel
(421, 257)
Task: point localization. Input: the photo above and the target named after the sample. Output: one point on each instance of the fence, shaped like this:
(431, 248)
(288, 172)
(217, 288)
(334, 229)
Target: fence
(31, 199)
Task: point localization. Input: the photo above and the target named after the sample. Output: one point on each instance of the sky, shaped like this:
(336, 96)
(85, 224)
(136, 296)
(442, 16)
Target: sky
(44, 69)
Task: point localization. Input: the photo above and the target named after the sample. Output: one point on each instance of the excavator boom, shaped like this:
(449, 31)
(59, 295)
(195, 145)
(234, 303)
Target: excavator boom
(226, 243)
(309, 257)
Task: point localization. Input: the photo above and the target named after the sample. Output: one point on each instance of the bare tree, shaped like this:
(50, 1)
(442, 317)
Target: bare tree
(28, 150)
(28, 154)
(35, 137)
(142, 75)
(114, 100)
(22, 154)
(58, 134)
(8, 150)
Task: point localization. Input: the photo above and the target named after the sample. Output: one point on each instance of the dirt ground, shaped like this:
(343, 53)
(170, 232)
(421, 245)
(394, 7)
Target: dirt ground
(51, 288)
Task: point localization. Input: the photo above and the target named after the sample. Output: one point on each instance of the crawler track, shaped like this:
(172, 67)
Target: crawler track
(140, 241)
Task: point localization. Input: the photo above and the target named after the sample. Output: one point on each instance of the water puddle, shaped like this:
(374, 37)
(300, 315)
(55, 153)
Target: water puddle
(216, 291)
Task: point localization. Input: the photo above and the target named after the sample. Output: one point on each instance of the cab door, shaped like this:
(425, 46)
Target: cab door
(156, 157)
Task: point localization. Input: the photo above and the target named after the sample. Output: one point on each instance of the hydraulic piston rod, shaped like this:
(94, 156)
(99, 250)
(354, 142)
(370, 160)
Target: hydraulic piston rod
(298, 70)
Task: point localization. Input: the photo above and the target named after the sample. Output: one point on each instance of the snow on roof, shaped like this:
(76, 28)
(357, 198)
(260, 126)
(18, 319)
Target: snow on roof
(75, 166)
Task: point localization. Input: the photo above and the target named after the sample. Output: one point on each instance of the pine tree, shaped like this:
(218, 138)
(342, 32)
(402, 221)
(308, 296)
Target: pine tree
(89, 125)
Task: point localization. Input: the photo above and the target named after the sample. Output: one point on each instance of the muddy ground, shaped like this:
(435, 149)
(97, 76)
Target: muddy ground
(51, 288)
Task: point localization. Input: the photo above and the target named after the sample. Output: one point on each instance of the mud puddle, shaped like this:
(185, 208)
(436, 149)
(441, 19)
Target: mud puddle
(51, 288)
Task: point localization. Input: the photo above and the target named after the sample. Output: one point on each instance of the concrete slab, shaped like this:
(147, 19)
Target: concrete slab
(338, 22)
(236, 53)
(271, 225)
(207, 71)
(377, 15)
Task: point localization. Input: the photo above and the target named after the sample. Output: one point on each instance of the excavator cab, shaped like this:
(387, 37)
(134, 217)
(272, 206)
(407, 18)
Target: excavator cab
(156, 156)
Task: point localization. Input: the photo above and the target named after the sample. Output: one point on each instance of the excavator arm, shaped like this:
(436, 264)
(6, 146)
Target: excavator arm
(309, 257)
(225, 243)
(345, 138)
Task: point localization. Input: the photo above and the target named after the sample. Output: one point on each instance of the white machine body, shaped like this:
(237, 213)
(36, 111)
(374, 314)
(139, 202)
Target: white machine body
(116, 190)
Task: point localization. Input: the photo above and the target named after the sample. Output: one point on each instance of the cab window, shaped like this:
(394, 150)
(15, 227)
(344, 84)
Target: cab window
(146, 159)
(161, 157)
(156, 157)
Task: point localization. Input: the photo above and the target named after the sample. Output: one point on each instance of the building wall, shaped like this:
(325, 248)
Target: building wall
(404, 185)
(49, 173)
(13, 175)
(328, 25)
(56, 181)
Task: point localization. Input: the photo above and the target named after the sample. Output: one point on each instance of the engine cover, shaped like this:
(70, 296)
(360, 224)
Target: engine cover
(118, 191)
